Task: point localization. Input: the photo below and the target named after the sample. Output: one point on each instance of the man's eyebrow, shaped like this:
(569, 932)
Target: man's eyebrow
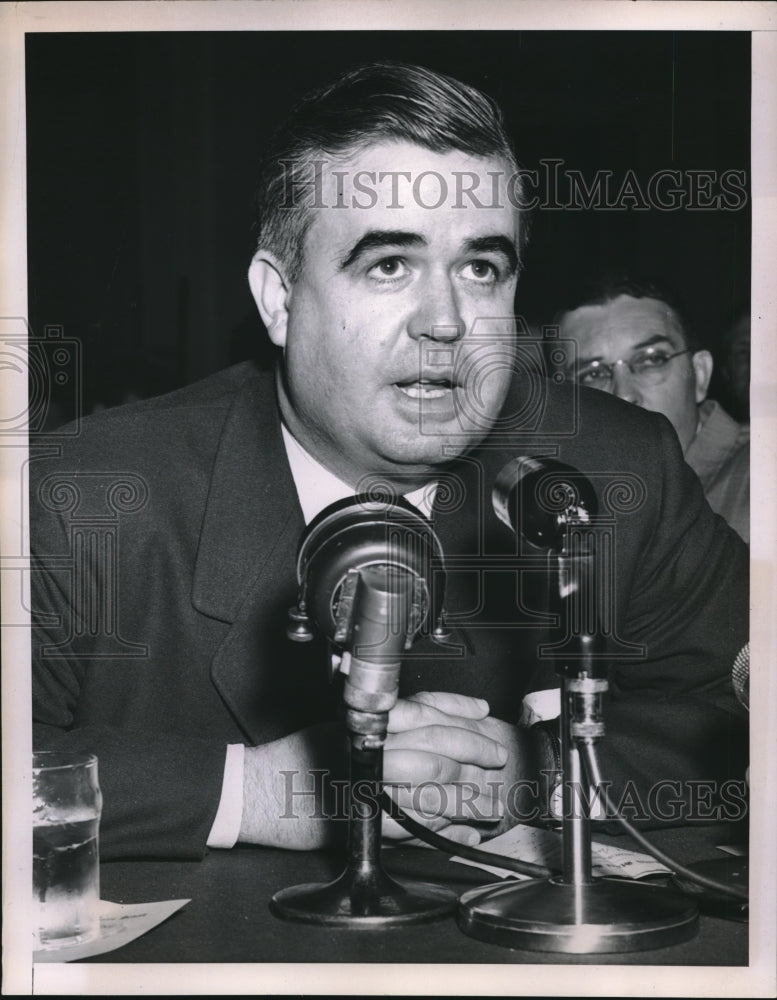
(657, 338)
(376, 239)
(494, 244)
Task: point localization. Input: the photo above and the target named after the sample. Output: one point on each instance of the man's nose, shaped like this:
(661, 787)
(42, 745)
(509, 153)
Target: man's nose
(437, 315)
(625, 385)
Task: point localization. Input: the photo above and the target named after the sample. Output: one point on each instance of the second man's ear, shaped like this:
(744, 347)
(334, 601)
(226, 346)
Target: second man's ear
(267, 280)
(702, 372)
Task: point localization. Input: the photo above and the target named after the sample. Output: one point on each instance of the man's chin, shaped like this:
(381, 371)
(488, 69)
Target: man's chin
(420, 459)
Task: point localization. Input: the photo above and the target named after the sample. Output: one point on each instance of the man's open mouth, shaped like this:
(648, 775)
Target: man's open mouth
(426, 388)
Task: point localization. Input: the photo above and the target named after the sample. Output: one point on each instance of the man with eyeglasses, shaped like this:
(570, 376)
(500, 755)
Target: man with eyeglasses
(633, 342)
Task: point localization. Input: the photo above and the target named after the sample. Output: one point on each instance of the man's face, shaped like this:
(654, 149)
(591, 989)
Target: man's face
(398, 333)
(624, 329)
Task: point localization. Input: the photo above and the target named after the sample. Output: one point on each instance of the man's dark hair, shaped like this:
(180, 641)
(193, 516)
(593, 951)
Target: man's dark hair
(378, 102)
(612, 284)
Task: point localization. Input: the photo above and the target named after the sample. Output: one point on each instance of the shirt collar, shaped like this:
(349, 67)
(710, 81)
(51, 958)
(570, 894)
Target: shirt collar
(317, 487)
(717, 437)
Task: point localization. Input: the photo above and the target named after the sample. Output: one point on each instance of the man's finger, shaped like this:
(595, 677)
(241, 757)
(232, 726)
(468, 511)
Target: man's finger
(413, 713)
(406, 768)
(411, 767)
(457, 833)
(463, 801)
(463, 745)
(453, 704)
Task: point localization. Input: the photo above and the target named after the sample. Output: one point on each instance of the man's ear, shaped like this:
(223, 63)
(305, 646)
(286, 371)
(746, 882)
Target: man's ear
(270, 290)
(702, 373)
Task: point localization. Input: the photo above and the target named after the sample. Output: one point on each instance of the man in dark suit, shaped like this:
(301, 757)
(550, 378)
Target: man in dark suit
(389, 240)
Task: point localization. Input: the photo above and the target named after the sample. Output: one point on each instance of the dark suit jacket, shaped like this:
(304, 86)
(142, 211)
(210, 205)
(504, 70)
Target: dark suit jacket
(165, 538)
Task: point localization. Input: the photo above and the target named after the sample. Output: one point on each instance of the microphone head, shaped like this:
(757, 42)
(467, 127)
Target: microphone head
(740, 676)
(540, 498)
(357, 535)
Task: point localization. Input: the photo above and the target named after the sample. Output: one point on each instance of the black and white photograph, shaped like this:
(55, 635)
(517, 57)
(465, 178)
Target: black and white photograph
(382, 388)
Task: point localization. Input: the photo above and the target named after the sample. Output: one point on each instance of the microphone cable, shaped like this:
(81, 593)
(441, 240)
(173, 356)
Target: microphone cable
(395, 812)
(591, 763)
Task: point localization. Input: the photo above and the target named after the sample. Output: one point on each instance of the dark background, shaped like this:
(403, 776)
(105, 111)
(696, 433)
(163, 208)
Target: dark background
(142, 150)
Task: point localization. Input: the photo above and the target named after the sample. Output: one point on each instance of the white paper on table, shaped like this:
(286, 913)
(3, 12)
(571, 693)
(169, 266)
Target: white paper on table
(120, 923)
(543, 847)
(738, 850)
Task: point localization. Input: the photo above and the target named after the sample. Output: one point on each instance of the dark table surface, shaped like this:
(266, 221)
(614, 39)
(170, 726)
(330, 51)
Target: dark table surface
(228, 919)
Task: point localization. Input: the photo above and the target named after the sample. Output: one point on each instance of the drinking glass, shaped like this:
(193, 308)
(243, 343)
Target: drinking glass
(66, 874)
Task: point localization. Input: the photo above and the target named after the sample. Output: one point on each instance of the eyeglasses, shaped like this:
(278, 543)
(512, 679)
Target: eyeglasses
(649, 366)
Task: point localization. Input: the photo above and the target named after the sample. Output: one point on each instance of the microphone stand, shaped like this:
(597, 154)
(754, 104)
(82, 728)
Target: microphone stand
(379, 608)
(576, 913)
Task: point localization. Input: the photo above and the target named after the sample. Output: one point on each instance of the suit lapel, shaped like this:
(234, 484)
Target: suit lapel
(252, 507)
(245, 568)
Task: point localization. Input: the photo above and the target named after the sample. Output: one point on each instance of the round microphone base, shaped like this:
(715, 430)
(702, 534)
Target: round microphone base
(350, 902)
(605, 915)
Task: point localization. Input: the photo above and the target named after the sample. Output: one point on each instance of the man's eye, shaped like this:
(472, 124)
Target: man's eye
(590, 376)
(389, 267)
(481, 270)
(655, 359)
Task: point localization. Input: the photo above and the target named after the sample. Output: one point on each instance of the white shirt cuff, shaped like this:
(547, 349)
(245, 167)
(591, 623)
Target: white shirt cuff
(226, 825)
(540, 706)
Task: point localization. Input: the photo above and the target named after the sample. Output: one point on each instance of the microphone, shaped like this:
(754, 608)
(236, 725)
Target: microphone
(740, 676)
(541, 498)
(371, 575)
(740, 679)
(363, 538)
(552, 506)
